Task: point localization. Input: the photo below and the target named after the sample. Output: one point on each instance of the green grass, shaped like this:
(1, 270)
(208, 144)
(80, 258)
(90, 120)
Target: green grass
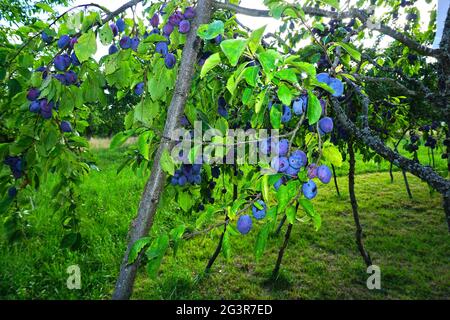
(408, 239)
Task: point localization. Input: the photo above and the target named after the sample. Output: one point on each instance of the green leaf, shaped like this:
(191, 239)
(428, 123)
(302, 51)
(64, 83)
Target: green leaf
(260, 101)
(255, 39)
(261, 241)
(284, 94)
(355, 54)
(275, 116)
(106, 35)
(309, 209)
(210, 31)
(185, 201)
(333, 3)
(143, 144)
(251, 75)
(306, 67)
(45, 7)
(332, 154)
(233, 49)
(210, 63)
(136, 249)
(269, 60)
(265, 188)
(314, 108)
(86, 46)
(226, 246)
(155, 254)
(176, 235)
(287, 74)
(119, 139)
(167, 162)
(290, 214)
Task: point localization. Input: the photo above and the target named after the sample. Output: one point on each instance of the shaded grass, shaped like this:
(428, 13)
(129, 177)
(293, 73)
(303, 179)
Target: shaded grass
(407, 238)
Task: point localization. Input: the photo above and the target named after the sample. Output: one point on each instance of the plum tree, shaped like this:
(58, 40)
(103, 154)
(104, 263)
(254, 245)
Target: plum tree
(326, 98)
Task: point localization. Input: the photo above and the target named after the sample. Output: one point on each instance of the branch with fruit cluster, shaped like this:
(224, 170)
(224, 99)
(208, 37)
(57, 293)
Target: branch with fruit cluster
(362, 15)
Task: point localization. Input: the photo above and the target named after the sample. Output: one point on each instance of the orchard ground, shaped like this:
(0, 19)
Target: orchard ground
(407, 238)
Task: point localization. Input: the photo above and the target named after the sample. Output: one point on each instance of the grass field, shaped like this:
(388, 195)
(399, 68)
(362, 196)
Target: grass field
(407, 239)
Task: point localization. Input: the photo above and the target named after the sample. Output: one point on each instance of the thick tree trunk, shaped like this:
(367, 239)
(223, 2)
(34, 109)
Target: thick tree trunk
(354, 203)
(154, 187)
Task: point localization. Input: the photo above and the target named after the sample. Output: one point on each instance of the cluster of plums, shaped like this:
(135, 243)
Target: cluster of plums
(16, 164)
(245, 223)
(187, 174)
(179, 20)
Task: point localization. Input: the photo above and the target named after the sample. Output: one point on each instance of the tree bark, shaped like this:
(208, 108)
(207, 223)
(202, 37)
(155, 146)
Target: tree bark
(408, 190)
(354, 203)
(155, 185)
(276, 270)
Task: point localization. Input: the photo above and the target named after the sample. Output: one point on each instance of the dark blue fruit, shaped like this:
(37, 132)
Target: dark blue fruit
(65, 126)
(120, 25)
(244, 224)
(170, 61)
(63, 41)
(62, 62)
(139, 89)
(125, 42)
(113, 49)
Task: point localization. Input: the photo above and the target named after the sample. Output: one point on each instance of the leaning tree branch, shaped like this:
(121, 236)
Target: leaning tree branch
(155, 184)
(425, 173)
(362, 15)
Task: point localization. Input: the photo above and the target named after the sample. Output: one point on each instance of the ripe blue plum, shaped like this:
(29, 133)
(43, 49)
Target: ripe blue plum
(218, 40)
(120, 24)
(292, 172)
(135, 43)
(323, 77)
(114, 29)
(189, 13)
(244, 224)
(139, 89)
(170, 61)
(298, 159)
(70, 77)
(309, 189)
(33, 94)
(184, 26)
(35, 107)
(287, 114)
(337, 86)
(12, 192)
(175, 18)
(324, 174)
(265, 146)
(299, 105)
(326, 124)
(312, 171)
(125, 42)
(279, 164)
(154, 21)
(282, 147)
(259, 213)
(162, 48)
(63, 41)
(74, 59)
(279, 182)
(168, 29)
(46, 38)
(62, 62)
(222, 107)
(65, 126)
(72, 42)
(113, 49)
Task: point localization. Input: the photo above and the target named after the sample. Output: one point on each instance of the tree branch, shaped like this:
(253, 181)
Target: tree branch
(352, 13)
